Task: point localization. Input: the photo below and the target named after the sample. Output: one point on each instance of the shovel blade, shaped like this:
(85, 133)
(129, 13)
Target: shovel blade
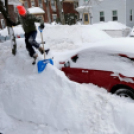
(43, 63)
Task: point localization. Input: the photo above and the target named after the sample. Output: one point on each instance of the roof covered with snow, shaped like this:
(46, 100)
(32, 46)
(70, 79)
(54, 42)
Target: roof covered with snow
(82, 9)
(36, 10)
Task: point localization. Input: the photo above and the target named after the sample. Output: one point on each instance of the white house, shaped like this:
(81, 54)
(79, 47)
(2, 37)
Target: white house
(107, 10)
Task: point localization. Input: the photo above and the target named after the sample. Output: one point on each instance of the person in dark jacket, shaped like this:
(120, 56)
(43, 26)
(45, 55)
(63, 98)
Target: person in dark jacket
(27, 21)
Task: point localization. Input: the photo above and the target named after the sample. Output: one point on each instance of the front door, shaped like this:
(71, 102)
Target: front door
(86, 18)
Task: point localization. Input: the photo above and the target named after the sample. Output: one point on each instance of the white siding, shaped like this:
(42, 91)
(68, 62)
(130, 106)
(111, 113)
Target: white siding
(129, 6)
(107, 6)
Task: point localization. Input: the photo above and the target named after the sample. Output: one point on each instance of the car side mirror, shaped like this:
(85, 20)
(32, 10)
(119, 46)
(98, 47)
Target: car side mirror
(74, 58)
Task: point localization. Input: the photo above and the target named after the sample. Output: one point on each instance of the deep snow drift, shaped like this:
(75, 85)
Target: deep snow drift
(49, 103)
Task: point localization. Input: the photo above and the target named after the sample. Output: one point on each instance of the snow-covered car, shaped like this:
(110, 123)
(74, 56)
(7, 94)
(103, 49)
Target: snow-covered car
(110, 65)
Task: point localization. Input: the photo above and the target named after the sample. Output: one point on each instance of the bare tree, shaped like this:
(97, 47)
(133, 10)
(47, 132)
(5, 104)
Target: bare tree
(60, 11)
(4, 10)
(48, 10)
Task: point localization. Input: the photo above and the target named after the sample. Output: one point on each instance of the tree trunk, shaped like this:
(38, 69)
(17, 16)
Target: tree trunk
(11, 33)
(61, 17)
(48, 10)
(13, 40)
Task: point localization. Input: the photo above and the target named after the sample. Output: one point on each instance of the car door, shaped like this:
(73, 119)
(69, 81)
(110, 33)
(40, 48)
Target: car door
(103, 79)
(77, 74)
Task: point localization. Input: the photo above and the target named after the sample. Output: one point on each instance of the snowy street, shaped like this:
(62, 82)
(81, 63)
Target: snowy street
(49, 103)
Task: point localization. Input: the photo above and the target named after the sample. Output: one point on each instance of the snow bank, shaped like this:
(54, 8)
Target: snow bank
(110, 25)
(50, 103)
(72, 35)
(59, 37)
(114, 29)
(17, 30)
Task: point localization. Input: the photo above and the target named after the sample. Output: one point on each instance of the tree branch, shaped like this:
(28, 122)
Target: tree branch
(6, 5)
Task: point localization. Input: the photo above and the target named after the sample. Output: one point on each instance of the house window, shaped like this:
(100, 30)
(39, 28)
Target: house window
(131, 14)
(115, 15)
(86, 17)
(40, 4)
(3, 25)
(32, 3)
(26, 4)
(102, 18)
(53, 5)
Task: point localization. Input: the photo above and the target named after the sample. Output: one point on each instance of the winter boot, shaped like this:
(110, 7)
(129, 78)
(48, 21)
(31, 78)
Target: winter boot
(47, 51)
(41, 50)
(35, 57)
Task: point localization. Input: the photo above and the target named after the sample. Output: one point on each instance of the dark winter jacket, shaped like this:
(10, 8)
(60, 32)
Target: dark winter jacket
(28, 22)
(5, 14)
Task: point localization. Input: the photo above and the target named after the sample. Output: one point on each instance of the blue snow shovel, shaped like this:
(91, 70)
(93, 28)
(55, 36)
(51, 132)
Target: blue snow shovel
(43, 63)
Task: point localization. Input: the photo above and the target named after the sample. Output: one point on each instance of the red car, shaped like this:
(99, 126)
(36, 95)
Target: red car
(109, 65)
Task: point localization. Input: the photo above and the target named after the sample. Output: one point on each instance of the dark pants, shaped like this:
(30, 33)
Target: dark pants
(31, 42)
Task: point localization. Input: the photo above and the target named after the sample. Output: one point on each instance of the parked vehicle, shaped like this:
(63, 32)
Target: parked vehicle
(109, 65)
(5, 38)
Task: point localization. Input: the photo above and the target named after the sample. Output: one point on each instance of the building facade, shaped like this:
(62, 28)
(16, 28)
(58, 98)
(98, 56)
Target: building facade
(68, 9)
(69, 12)
(107, 10)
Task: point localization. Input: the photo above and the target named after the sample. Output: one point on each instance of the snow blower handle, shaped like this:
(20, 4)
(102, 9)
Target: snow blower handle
(41, 34)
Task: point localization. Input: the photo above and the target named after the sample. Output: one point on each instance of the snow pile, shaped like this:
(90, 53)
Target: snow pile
(17, 30)
(110, 25)
(50, 103)
(57, 35)
(4, 32)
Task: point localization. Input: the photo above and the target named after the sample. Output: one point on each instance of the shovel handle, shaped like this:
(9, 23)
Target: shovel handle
(41, 34)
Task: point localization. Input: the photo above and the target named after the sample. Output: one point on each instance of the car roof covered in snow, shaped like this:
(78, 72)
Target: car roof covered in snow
(113, 46)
